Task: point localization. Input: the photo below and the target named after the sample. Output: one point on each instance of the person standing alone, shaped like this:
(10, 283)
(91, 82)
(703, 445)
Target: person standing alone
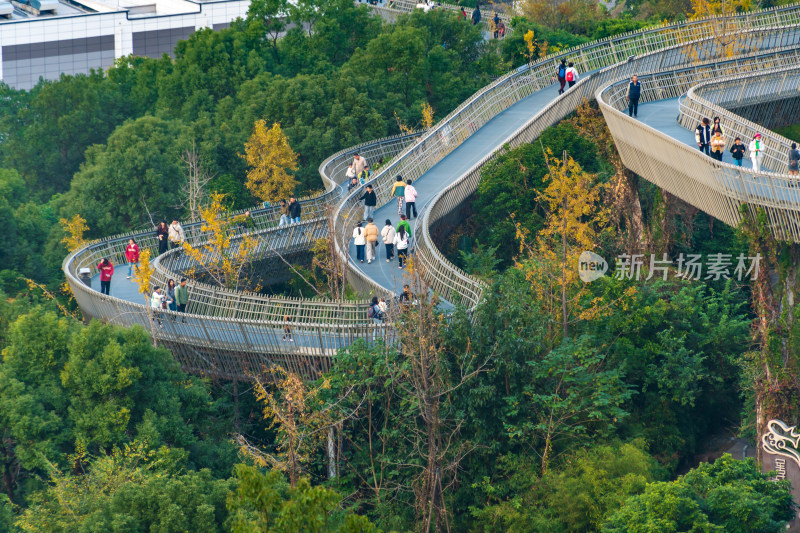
(634, 92)
(106, 270)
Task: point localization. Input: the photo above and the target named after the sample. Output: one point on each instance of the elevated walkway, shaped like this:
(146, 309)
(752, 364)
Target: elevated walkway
(228, 338)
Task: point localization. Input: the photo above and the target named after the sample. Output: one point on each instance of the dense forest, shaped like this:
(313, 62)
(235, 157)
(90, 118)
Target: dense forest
(587, 410)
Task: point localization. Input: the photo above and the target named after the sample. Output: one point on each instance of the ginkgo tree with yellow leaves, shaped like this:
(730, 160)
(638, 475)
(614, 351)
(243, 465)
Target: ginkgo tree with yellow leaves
(270, 159)
(575, 222)
(221, 258)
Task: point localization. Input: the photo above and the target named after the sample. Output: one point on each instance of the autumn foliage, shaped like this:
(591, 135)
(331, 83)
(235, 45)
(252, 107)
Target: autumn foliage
(270, 157)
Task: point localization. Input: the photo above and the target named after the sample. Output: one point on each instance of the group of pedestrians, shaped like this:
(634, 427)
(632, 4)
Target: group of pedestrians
(566, 74)
(365, 239)
(290, 212)
(169, 235)
(711, 141)
(174, 298)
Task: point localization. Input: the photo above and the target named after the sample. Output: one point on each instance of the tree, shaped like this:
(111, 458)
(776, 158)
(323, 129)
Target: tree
(575, 221)
(728, 495)
(269, 155)
(263, 502)
(136, 172)
(74, 228)
(197, 178)
(221, 258)
(270, 16)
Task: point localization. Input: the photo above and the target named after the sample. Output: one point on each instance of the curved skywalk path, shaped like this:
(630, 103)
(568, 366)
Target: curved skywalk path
(233, 334)
(486, 140)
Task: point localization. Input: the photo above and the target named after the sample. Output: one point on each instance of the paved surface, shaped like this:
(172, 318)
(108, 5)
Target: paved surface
(491, 136)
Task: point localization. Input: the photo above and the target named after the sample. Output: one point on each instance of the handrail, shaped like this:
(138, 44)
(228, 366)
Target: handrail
(677, 44)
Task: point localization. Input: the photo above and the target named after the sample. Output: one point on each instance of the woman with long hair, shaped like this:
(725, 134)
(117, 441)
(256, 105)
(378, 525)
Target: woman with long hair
(106, 270)
(171, 301)
(401, 245)
(132, 255)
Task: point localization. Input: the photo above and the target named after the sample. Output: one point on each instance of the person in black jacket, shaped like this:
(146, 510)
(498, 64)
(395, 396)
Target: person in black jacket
(370, 201)
(476, 16)
(737, 149)
(702, 136)
(294, 210)
(162, 234)
(634, 92)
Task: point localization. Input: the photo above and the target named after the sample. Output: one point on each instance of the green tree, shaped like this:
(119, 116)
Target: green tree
(263, 501)
(137, 171)
(728, 495)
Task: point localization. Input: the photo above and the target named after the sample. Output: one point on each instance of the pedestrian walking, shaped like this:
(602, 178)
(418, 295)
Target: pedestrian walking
(411, 200)
(756, 150)
(401, 243)
(157, 302)
(399, 192)
(463, 13)
(162, 234)
(351, 172)
(476, 16)
(352, 185)
(634, 92)
(716, 124)
(702, 136)
(172, 305)
(132, 255)
(371, 233)
(294, 210)
(246, 222)
(359, 164)
(106, 269)
(360, 240)
(182, 297)
(374, 311)
(285, 220)
(571, 75)
(287, 331)
(794, 159)
(370, 201)
(387, 234)
(737, 150)
(364, 176)
(561, 75)
(501, 29)
(496, 21)
(404, 223)
(407, 297)
(717, 144)
(176, 236)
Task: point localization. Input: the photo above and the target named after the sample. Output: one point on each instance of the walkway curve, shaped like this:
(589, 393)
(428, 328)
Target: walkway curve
(232, 347)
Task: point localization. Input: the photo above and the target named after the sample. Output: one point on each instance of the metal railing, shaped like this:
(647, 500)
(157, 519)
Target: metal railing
(237, 341)
(717, 188)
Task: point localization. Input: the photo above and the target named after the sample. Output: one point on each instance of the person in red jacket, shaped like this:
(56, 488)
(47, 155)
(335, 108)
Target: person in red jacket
(106, 270)
(132, 255)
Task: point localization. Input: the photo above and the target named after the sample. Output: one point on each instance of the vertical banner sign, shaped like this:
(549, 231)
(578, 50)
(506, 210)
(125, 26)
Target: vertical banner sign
(780, 446)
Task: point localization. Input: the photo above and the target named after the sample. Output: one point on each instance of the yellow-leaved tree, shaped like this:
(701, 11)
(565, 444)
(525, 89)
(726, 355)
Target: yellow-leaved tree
(74, 228)
(221, 258)
(575, 221)
(270, 157)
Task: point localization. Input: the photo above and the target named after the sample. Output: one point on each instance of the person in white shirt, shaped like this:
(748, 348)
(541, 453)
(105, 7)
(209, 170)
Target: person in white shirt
(571, 74)
(158, 301)
(350, 174)
(411, 200)
(387, 234)
(360, 240)
(756, 149)
(176, 236)
(401, 244)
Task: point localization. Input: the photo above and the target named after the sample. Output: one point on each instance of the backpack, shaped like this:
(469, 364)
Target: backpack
(569, 75)
(372, 313)
(562, 71)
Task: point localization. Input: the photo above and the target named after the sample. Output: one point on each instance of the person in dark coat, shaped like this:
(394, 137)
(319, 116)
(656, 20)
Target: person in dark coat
(294, 210)
(476, 16)
(737, 149)
(370, 201)
(634, 92)
(702, 136)
(162, 234)
(561, 75)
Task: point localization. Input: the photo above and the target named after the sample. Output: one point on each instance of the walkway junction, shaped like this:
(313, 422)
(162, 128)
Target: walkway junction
(745, 69)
